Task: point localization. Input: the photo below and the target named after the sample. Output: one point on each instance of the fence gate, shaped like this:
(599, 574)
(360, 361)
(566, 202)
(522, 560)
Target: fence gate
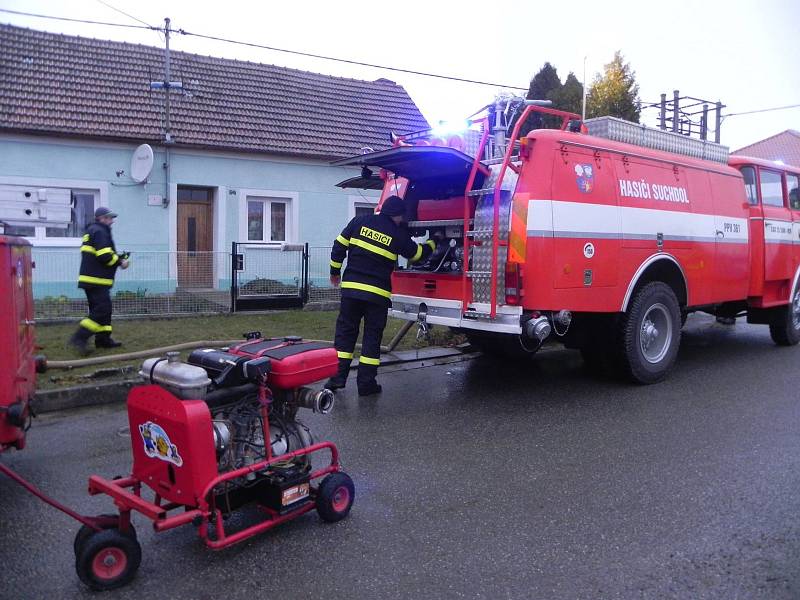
(266, 276)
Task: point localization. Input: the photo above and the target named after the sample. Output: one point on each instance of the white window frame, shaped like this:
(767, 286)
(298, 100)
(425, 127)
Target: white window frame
(40, 239)
(291, 199)
(360, 202)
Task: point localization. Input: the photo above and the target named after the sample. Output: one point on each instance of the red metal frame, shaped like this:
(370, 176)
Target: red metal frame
(93, 522)
(470, 182)
(199, 507)
(206, 511)
(566, 117)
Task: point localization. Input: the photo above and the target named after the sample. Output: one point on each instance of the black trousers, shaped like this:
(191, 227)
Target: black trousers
(351, 312)
(99, 320)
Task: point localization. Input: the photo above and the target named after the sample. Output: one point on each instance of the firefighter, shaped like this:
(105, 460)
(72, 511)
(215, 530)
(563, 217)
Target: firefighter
(371, 244)
(99, 263)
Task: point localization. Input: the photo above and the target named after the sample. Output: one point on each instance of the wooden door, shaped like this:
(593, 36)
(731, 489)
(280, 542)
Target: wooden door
(195, 238)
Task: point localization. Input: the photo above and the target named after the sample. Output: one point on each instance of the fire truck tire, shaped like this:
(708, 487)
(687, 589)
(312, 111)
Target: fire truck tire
(335, 497)
(785, 328)
(108, 559)
(85, 531)
(649, 333)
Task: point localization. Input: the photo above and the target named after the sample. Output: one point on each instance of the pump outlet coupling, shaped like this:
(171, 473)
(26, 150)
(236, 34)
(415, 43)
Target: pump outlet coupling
(538, 328)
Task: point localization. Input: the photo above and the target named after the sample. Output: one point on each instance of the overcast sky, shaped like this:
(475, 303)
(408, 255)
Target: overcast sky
(744, 53)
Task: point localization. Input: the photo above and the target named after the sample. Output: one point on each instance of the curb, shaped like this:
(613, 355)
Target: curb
(47, 401)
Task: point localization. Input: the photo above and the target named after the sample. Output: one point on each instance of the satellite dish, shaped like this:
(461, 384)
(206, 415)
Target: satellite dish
(141, 163)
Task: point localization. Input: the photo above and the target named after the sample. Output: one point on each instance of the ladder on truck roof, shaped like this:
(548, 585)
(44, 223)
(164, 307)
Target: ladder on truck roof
(495, 190)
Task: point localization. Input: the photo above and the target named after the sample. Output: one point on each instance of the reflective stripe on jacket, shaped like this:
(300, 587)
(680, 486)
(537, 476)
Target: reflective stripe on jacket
(371, 244)
(99, 258)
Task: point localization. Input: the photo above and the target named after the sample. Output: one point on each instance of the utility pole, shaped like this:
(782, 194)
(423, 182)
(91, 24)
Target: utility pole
(166, 85)
(167, 134)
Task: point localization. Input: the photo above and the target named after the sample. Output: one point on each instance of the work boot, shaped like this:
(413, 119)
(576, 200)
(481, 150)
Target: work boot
(369, 389)
(335, 383)
(338, 381)
(106, 341)
(77, 342)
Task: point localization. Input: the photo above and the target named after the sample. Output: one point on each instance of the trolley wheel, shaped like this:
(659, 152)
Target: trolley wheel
(85, 531)
(108, 559)
(335, 497)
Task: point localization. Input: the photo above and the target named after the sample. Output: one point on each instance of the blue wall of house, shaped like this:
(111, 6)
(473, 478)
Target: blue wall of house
(144, 229)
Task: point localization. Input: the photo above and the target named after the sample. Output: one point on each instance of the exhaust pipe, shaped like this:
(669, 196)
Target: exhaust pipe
(319, 401)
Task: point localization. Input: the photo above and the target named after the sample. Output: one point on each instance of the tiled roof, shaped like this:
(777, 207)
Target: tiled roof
(74, 86)
(784, 146)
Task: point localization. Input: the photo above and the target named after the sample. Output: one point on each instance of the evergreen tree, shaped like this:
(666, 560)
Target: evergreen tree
(570, 96)
(544, 85)
(615, 93)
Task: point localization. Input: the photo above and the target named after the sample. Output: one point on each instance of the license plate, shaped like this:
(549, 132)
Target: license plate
(294, 493)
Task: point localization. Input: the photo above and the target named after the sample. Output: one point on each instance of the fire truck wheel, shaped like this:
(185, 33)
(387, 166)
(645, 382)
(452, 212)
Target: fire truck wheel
(335, 497)
(650, 333)
(785, 328)
(108, 559)
(85, 531)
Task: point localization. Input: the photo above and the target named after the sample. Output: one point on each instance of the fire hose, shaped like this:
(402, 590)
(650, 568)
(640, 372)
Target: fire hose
(99, 360)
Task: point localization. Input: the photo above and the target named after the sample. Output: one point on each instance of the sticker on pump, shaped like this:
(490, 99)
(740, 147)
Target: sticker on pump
(293, 494)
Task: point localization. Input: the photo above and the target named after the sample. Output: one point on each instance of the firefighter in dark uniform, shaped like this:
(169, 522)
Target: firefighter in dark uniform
(371, 244)
(99, 263)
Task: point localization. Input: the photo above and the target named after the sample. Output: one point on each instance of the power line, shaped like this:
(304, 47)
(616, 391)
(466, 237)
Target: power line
(253, 45)
(122, 12)
(762, 110)
(320, 56)
(351, 62)
(26, 14)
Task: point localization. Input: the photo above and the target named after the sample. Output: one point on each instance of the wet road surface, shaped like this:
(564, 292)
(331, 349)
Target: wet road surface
(483, 479)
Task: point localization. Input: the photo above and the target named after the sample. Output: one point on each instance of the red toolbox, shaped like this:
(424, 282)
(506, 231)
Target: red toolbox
(294, 361)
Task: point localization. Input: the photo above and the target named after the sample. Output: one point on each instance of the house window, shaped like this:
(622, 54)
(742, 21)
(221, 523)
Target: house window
(267, 219)
(361, 205)
(364, 209)
(82, 202)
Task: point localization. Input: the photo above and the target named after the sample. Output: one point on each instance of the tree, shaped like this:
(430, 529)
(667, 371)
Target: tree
(616, 93)
(570, 96)
(543, 86)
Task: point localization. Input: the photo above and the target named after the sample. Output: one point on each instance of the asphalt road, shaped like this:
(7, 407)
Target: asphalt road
(485, 480)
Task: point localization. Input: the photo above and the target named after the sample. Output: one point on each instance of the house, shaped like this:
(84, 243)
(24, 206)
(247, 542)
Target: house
(784, 147)
(249, 158)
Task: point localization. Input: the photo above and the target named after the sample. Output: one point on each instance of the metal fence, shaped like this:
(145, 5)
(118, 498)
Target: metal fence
(174, 283)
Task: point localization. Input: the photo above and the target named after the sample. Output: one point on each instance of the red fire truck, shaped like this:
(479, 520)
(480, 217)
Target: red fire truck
(603, 234)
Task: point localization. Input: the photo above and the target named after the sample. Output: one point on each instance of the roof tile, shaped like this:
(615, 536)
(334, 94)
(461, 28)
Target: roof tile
(60, 84)
(784, 146)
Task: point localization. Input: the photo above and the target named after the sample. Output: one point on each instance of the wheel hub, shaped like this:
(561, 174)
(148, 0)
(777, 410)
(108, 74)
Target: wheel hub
(649, 333)
(655, 333)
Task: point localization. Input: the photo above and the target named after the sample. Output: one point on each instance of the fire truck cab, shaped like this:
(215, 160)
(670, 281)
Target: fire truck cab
(603, 234)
